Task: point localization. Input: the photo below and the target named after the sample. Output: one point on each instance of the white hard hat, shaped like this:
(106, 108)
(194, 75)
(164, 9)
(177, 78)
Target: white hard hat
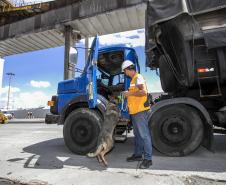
(126, 64)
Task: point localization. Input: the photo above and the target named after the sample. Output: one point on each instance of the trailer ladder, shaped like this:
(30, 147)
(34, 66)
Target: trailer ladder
(207, 71)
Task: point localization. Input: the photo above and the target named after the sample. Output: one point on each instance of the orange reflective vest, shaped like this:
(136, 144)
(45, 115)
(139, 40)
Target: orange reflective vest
(136, 103)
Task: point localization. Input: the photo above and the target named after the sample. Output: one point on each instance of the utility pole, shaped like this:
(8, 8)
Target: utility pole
(86, 50)
(10, 78)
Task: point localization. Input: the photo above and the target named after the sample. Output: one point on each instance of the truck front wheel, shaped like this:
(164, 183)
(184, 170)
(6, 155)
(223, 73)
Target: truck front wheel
(81, 130)
(177, 130)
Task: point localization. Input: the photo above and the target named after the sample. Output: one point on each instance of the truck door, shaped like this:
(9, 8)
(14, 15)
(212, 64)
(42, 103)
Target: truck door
(91, 74)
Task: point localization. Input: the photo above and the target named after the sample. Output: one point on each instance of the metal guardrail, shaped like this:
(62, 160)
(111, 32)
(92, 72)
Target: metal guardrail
(22, 3)
(18, 5)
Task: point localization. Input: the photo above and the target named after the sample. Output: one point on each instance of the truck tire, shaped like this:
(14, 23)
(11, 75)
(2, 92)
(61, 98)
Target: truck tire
(81, 130)
(177, 130)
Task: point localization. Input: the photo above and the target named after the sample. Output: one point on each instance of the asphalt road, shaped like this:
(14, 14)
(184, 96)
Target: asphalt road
(35, 154)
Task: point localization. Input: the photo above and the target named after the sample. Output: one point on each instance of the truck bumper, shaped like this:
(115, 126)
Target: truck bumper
(52, 119)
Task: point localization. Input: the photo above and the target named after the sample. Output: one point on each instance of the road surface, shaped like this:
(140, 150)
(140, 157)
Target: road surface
(34, 153)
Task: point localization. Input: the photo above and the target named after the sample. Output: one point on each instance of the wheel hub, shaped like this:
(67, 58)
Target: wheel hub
(175, 130)
(82, 132)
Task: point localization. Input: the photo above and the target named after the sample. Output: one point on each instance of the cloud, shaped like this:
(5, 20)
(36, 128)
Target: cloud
(155, 87)
(25, 100)
(40, 84)
(19, 99)
(4, 90)
(133, 38)
(140, 31)
(117, 35)
(32, 1)
(31, 100)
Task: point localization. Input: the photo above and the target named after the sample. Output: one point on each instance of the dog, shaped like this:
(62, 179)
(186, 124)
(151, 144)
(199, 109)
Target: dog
(105, 139)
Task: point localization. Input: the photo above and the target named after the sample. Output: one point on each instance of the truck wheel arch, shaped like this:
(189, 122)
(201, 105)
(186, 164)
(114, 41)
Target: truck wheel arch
(207, 122)
(81, 102)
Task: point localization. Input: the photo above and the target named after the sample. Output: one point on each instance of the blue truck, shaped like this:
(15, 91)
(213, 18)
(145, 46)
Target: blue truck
(81, 102)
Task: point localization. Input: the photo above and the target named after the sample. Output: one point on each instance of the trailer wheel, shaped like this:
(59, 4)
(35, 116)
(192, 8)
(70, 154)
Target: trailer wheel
(81, 130)
(177, 130)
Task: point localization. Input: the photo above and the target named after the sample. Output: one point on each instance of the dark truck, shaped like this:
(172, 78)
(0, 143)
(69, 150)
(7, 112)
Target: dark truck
(186, 44)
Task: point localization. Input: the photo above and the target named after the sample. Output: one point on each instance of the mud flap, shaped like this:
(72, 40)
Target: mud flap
(208, 138)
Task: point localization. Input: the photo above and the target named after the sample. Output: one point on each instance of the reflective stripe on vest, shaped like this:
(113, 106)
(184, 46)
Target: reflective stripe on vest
(136, 103)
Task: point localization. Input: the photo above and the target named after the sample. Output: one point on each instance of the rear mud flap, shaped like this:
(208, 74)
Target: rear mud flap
(208, 139)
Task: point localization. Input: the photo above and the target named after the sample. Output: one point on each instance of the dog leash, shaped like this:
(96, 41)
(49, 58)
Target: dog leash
(138, 164)
(123, 103)
(138, 172)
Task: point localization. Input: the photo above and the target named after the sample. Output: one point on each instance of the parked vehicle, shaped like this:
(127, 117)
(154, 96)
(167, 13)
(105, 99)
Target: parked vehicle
(3, 118)
(8, 115)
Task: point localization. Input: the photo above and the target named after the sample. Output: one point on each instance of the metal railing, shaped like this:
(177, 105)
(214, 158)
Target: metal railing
(20, 3)
(17, 5)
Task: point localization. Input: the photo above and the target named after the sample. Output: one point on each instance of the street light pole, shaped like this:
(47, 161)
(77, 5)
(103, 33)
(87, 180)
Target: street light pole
(10, 77)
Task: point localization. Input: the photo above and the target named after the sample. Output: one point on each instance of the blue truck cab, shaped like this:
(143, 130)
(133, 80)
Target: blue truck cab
(81, 102)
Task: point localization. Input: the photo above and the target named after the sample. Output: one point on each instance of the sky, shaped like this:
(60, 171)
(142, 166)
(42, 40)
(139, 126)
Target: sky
(38, 73)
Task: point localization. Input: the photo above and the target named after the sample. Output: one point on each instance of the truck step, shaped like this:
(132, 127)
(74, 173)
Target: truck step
(219, 130)
(210, 95)
(120, 138)
(208, 77)
(121, 132)
(204, 91)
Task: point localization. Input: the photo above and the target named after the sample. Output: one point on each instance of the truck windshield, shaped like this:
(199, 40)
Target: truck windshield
(118, 79)
(103, 77)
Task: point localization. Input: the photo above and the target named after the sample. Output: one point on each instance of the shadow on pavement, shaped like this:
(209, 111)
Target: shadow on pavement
(53, 154)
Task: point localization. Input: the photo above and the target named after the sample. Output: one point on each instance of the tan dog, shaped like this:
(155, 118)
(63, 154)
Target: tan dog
(105, 140)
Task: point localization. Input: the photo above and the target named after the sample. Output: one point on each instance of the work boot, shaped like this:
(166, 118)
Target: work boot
(134, 158)
(145, 164)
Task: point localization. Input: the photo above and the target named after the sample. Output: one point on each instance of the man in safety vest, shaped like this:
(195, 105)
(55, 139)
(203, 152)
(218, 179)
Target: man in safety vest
(138, 105)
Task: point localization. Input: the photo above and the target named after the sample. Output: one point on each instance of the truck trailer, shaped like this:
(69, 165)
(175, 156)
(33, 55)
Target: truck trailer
(186, 44)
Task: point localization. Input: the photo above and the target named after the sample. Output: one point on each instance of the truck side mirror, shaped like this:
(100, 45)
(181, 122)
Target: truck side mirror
(73, 56)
